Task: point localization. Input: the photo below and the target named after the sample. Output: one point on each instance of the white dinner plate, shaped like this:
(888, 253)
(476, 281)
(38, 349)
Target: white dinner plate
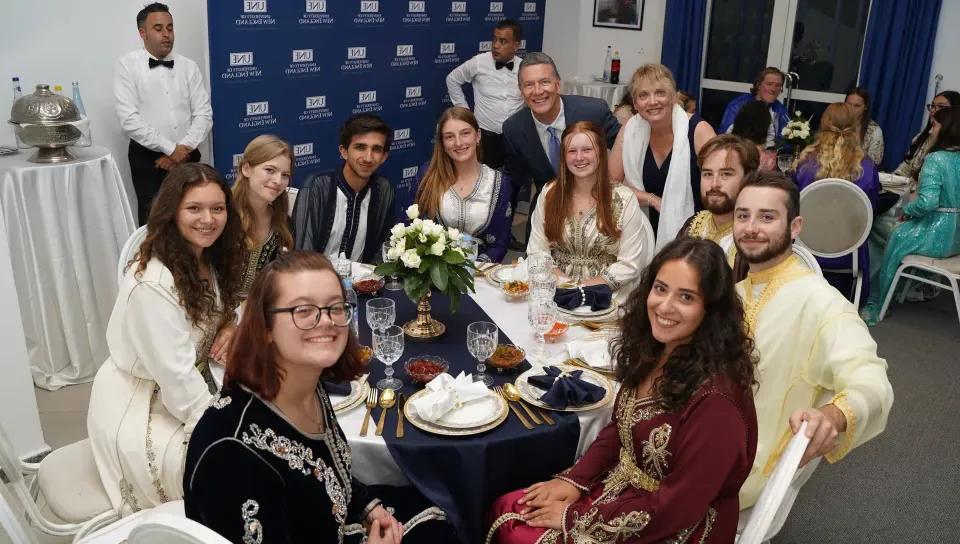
(359, 389)
(473, 417)
(584, 312)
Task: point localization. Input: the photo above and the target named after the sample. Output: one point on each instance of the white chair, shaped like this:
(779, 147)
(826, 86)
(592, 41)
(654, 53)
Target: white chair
(837, 218)
(291, 197)
(120, 531)
(807, 258)
(69, 482)
(130, 248)
(948, 268)
(164, 528)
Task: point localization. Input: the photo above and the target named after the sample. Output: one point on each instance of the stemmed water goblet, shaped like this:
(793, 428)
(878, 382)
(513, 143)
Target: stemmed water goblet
(542, 314)
(482, 339)
(381, 313)
(393, 284)
(388, 347)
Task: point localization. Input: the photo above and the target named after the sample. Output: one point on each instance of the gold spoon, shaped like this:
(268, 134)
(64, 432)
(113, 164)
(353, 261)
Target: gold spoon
(594, 326)
(513, 394)
(386, 402)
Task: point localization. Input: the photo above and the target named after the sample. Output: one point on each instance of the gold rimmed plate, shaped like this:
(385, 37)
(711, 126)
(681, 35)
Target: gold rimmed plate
(532, 394)
(359, 389)
(500, 274)
(482, 417)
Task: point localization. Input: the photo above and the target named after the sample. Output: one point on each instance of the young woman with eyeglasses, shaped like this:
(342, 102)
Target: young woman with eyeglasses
(920, 146)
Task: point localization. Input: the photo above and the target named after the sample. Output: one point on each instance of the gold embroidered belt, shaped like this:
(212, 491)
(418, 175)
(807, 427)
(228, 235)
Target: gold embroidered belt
(627, 472)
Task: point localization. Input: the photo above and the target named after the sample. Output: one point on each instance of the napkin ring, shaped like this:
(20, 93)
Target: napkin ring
(457, 404)
(583, 296)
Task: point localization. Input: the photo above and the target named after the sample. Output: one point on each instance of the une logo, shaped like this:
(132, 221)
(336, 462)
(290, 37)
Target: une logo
(417, 7)
(447, 48)
(368, 96)
(316, 6)
(303, 55)
(300, 150)
(241, 59)
(258, 108)
(410, 172)
(369, 7)
(356, 53)
(255, 6)
(523, 44)
(496, 7)
(238, 158)
(314, 102)
(404, 50)
(485, 46)
(459, 7)
(529, 7)
(401, 134)
(414, 92)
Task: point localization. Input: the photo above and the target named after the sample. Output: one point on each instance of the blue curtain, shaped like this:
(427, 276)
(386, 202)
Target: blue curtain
(897, 53)
(682, 52)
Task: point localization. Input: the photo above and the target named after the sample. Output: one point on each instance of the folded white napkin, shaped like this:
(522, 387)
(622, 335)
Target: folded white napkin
(893, 179)
(448, 393)
(519, 272)
(594, 352)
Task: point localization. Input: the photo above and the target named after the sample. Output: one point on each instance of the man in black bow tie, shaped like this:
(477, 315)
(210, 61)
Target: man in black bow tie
(496, 95)
(161, 104)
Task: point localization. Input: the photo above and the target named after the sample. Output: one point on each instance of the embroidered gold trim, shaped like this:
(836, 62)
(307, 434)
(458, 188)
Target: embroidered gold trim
(655, 451)
(630, 411)
(581, 259)
(573, 483)
(509, 516)
(265, 252)
(841, 402)
(430, 514)
(777, 452)
(128, 496)
(252, 530)
(708, 524)
(774, 278)
(151, 455)
(591, 528)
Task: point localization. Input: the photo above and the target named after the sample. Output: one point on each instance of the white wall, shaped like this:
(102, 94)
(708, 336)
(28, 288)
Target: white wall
(945, 50)
(60, 41)
(578, 47)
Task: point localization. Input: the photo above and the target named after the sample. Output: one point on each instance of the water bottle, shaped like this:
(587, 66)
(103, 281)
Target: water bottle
(352, 299)
(17, 94)
(84, 124)
(615, 68)
(607, 61)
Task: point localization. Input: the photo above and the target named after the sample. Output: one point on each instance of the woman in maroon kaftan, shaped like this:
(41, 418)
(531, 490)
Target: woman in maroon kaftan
(683, 437)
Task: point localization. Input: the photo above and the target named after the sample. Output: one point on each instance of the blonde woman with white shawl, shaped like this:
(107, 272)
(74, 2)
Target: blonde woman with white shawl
(656, 152)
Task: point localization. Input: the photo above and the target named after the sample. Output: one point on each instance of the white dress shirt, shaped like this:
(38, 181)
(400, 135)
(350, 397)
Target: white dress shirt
(354, 207)
(496, 93)
(560, 124)
(161, 107)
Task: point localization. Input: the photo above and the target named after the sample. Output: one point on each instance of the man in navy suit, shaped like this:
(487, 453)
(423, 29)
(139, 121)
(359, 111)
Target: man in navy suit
(532, 135)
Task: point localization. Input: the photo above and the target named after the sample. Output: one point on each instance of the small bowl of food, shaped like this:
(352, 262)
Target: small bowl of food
(559, 329)
(368, 284)
(366, 354)
(506, 356)
(425, 368)
(515, 289)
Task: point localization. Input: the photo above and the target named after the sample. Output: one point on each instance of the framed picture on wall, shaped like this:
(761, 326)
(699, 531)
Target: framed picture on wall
(626, 14)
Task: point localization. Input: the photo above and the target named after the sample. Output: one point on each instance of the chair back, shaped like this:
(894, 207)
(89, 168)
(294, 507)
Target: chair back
(837, 217)
(130, 248)
(164, 528)
(291, 198)
(806, 258)
(14, 494)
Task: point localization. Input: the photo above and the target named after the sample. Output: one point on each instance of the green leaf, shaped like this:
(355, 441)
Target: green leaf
(454, 302)
(453, 257)
(424, 265)
(387, 268)
(413, 286)
(467, 276)
(439, 275)
(456, 284)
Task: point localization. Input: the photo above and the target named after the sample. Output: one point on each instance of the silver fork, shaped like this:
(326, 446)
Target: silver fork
(371, 404)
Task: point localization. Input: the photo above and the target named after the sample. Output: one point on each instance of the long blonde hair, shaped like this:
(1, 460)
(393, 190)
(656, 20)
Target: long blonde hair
(263, 148)
(442, 174)
(837, 147)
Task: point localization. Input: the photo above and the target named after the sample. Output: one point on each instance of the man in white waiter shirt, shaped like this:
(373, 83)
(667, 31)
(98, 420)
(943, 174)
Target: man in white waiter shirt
(161, 105)
(496, 94)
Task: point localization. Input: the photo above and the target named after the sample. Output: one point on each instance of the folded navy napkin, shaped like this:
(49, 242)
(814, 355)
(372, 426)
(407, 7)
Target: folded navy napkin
(341, 389)
(565, 389)
(597, 297)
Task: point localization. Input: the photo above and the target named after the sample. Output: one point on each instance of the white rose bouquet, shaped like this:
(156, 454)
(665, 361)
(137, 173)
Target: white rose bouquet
(427, 255)
(797, 133)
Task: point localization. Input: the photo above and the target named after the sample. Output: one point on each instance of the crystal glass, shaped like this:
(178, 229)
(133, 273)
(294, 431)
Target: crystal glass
(381, 313)
(543, 289)
(393, 284)
(388, 347)
(482, 339)
(785, 161)
(542, 315)
(539, 266)
(471, 249)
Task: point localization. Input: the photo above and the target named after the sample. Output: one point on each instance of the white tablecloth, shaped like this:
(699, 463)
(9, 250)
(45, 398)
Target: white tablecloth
(610, 93)
(372, 463)
(66, 224)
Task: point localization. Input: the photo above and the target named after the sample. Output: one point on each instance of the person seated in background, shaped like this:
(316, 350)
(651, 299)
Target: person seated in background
(809, 338)
(591, 226)
(656, 152)
(931, 226)
(871, 136)
(921, 143)
(624, 110)
(836, 153)
(724, 163)
(349, 210)
(260, 193)
(670, 464)
(174, 314)
(687, 102)
(268, 461)
(766, 88)
(753, 124)
(459, 192)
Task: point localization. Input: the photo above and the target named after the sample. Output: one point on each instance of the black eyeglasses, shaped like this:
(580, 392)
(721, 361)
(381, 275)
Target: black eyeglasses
(307, 316)
(937, 107)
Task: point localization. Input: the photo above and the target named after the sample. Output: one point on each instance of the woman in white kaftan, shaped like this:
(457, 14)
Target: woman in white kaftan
(150, 392)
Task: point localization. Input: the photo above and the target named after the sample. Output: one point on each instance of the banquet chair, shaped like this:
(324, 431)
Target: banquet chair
(69, 482)
(164, 528)
(291, 197)
(807, 258)
(837, 218)
(119, 531)
(130, 248)
(948, 268)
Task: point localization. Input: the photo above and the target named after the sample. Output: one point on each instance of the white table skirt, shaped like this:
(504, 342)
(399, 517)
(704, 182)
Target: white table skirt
(610, 93)
(372, 462)
(66, 224)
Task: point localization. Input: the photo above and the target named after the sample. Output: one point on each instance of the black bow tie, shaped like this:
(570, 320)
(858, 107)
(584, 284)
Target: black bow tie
(154, 63)
(500, 65)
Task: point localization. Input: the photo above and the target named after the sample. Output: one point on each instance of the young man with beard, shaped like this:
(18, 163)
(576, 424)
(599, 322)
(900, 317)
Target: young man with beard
(349, 210)
(724, 161)
(809, 337)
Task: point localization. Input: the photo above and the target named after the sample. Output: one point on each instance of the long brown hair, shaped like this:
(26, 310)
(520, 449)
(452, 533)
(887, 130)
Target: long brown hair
(227, 256)
(865, 118)
(253, 361)
(560, 198)
(837, 147)
(263, 148)
(442, 173)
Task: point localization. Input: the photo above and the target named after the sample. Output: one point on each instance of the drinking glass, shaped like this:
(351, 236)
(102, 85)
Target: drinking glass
(539, 266)
(381, 313)
(543, 289)
(471, 249)
(482, 339)
(388, 347)
(542, 315)
(785, 161)
(393, 284)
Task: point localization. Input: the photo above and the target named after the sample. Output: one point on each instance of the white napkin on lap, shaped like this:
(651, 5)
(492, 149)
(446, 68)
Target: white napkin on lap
(519, 272)
(594, 352)
(447, 393)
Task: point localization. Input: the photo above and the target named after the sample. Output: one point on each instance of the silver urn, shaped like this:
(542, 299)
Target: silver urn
(45, 120)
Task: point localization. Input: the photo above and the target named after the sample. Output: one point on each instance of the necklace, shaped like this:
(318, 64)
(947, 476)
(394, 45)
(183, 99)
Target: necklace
(319, 420)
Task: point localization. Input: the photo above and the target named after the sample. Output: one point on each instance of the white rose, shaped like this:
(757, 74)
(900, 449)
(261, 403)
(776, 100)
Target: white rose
(441, 239)
(804, 133)
(428, 225)
(797, 113)
(422, 238)
(394, 253)
(413, 211)
(438, 230)
(453, 234)
(400, 244)
(785, 132)
(437, 248)
(411, 259)
(417, 224)
(398, 231)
